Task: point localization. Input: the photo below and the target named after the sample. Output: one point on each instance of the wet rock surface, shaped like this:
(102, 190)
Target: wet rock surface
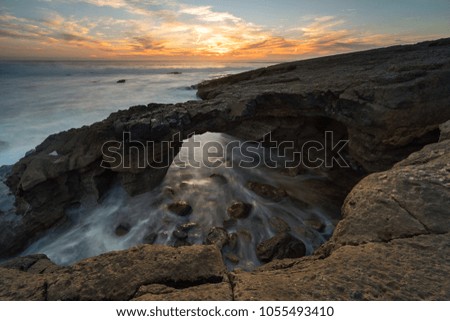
(180, 208)
(281, 246)
(239, 210)
(218, 236)
(150, 238)
(122, 229)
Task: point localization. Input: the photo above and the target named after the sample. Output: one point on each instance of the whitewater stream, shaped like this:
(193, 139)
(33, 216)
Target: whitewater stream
(120, 221)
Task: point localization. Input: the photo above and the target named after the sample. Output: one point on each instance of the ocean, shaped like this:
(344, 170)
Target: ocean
(39, 98)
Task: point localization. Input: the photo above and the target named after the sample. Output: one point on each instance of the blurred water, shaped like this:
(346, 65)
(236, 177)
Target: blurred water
(40, 98)
(91, 228)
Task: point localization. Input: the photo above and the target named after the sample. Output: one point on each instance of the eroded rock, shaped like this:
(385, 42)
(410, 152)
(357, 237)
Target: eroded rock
(281, 246)
(239, 210)
(150, 238)
(180, 208)
(218, 236)
(122, 229)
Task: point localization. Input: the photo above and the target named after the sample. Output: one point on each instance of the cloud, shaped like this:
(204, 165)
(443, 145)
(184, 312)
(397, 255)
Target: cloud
(168, 28)
(205, 13)
(54, 30)
(146, 43)
(107, 3)
(73, 38)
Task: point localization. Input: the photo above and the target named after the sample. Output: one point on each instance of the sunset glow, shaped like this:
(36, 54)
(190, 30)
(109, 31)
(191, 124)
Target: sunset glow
(155, 29)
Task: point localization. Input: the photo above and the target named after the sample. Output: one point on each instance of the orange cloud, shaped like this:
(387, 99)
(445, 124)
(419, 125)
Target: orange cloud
(180, 31)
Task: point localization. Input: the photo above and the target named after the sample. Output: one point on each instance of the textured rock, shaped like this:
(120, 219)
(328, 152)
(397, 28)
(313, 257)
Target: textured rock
(119, 275)
(281, 246)
(408, 200)
(122, 229)
(239, 210)
(180, 208)
(205, 292)
(180, 234)
(17, 285)
(38, 264)
(405, 269)
(374, 97)
(218, 236)
(150, 238)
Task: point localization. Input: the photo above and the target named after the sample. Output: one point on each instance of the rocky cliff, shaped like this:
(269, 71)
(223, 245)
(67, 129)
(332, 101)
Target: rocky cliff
(393, 239)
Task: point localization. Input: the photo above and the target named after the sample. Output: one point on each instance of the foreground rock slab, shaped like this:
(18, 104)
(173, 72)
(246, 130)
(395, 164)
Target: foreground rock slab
(120, 275)
(405, 269)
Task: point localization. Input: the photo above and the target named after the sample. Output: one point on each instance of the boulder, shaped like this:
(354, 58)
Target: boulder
(281, 246)
(150, 238)
(122, 229)
(239, 210)
(180, 234)
(180, 208)
(218, 236)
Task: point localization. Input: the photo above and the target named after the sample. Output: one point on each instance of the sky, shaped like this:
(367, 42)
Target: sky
(219, 29)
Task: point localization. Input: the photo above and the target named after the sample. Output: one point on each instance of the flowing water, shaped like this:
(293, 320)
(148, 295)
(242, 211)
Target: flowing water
(92, 228)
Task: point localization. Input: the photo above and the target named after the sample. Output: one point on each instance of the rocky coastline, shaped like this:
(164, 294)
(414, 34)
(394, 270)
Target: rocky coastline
(392, 241)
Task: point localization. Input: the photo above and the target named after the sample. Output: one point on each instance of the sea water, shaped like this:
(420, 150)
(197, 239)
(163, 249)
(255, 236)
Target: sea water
(39, 98)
